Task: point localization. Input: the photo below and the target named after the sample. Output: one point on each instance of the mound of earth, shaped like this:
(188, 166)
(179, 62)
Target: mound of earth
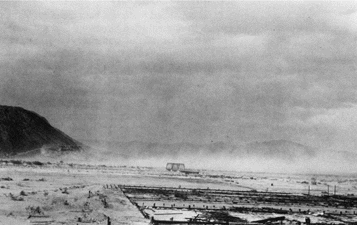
(23, 131)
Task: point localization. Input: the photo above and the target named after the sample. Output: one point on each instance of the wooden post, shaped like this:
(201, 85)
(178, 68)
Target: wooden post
(334, 190)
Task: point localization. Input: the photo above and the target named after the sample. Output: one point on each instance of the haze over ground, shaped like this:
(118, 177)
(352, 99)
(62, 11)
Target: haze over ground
(180, 72)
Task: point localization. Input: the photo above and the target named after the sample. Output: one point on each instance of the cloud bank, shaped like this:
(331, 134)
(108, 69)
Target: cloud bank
(175, 72)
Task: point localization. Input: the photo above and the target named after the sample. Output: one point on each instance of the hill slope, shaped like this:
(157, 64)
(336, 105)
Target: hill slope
(279, 149)
(22, 131)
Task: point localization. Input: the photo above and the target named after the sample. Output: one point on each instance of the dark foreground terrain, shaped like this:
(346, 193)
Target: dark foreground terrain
(60, 193)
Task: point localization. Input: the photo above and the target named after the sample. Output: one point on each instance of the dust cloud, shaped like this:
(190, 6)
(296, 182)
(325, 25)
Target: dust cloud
(338, 162)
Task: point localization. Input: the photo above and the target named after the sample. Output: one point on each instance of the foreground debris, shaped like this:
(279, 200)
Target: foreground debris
(65, 193)
(168, 205)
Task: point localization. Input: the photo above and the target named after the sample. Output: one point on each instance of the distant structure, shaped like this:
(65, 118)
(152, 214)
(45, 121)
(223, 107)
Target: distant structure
(189, 172)
(175, 166)
(313, 181)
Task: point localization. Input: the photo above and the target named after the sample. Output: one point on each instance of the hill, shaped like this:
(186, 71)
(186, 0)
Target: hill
(282, 149)
(23, 131)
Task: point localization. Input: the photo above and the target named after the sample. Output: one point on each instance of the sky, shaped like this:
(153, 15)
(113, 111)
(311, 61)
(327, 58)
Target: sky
(195, 72)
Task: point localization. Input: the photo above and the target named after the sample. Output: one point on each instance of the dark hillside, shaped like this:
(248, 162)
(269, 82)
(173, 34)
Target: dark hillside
(22, 130)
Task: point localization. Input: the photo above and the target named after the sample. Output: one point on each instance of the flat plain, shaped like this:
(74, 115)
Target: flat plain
(60, 193)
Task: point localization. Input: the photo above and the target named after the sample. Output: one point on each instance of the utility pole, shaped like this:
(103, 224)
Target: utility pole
(334, 190)
(308, 190)
(328, 190)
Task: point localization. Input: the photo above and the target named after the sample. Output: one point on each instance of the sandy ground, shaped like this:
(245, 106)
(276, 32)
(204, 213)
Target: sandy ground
(62, 195)
(59, 194)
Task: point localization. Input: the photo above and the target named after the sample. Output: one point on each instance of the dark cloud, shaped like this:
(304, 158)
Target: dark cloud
(254, 17)
(182, 72)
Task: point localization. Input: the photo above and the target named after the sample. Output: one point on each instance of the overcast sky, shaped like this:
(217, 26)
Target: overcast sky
(185, 71)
